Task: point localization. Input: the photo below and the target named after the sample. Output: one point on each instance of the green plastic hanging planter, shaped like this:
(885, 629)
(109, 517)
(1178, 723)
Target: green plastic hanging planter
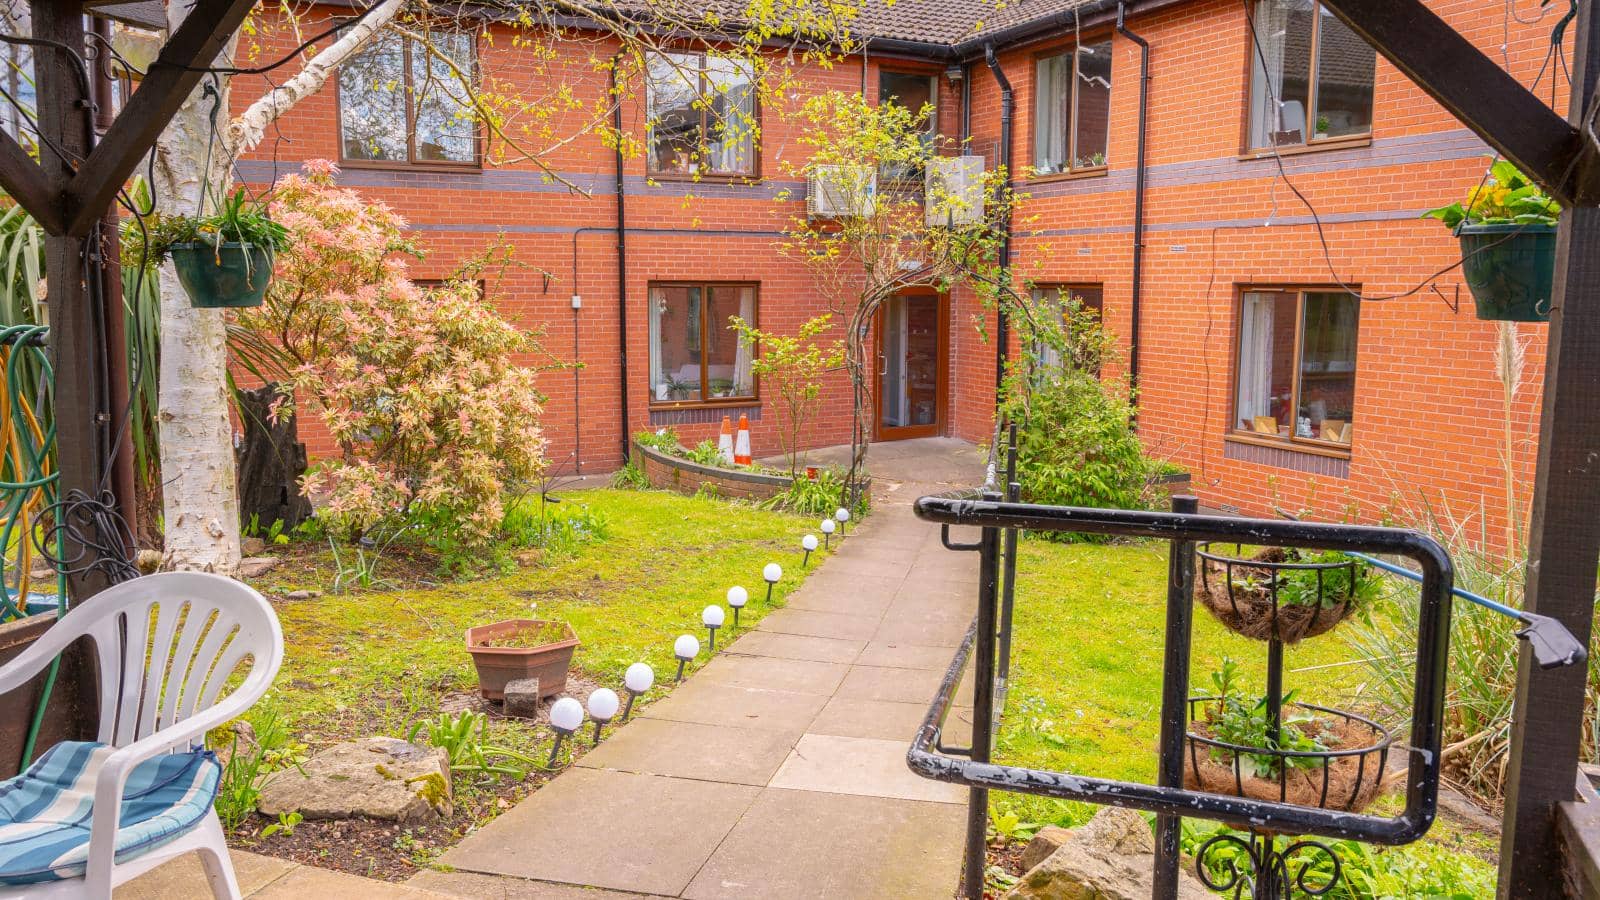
(1510, 270)
(228, 276)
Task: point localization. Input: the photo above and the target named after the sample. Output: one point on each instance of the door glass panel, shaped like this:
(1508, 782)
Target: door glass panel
(909, 384)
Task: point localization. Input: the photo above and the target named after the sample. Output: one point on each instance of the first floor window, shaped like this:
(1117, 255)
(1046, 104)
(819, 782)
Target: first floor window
(1311, 76)
(404, 103)
(917, 94)
(1297, 365)
(695, 355)
(1072, 110)
(1080, 306)
(701, 113)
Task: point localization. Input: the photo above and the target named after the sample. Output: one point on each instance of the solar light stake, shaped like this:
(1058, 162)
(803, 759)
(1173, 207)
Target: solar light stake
(566, 716)
(737, 598)
(637, 680)
(808, 543)
(771, 572)
(843, 515)
(602, 708)
(685, 648)
(827, 533)
(712, 618)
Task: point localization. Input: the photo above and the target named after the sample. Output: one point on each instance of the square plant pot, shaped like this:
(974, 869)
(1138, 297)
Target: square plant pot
(499, 665)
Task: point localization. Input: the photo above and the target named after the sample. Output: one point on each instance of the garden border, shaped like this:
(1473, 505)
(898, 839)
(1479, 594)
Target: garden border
(673, 473)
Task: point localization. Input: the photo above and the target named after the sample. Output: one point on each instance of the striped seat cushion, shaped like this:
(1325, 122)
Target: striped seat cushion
(45, 811)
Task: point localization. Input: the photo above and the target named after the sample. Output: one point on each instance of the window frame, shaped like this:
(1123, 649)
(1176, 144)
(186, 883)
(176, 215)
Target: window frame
(1292, 441)
(914, 179)
(1313, 143)
(1075, 288)
(1070, 171)
(753, 175)
(412, 161)
(706, 400)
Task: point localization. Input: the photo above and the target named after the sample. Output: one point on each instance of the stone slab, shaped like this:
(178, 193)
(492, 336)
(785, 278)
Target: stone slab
(871, 848)
(900, 685)
(571, 830)
(473, 886)
(896, 655)
(867, 562)
(324, 884)
(923, 629)
(800, 676)
(797, 646)
(865, 767)
(886, 720)
(183, 877)
(692, 750)
(722, 704)
(821, 624)
(840, 596)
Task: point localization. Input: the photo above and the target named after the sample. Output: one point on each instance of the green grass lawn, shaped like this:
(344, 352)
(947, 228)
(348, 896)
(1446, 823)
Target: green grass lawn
(1085, 690)
(376, 660)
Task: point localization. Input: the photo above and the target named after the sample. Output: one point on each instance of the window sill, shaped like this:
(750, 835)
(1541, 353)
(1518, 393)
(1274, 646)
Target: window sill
(1298, 445)
(1074, 175)
(1342, 143)
(714, 403)
(747, 180)
(380, 165)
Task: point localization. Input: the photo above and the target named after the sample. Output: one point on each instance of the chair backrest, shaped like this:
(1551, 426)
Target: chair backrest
(168, 645)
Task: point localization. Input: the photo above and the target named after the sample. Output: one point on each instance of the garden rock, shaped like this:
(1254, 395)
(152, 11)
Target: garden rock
(252, 546)
(377, 777)
(1110, 858)
(257, 566)
(302, 595)
(1044, 843)
(522, 698)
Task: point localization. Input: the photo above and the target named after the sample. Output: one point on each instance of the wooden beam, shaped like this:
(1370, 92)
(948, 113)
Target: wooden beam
(26, 183)
(172, 77)
(1564, 537)
(1472, 87)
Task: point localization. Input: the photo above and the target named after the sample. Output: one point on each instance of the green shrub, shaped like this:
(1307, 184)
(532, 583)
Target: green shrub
(818, 496)
(705, 453)
(1076, 446)
(662, 439)
(630, 478)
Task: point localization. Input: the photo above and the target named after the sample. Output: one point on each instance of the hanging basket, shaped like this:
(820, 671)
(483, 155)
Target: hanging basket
(228, 276)
(1251, 598)
(1510, 270)
(1346, 776)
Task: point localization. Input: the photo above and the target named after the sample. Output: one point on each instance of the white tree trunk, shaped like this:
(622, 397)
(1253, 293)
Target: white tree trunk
(200, 500)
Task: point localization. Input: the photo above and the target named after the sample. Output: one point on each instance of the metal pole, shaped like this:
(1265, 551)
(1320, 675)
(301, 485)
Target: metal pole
(1008, 599)
(1175, 698)
(982, 708)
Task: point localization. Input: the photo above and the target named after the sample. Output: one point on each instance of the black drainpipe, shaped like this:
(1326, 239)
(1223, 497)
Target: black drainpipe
(1138, 201)
(1008, 106)
(622, 260)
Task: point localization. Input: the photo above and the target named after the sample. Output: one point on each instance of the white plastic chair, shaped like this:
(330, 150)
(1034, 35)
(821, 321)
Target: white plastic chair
(160, 702)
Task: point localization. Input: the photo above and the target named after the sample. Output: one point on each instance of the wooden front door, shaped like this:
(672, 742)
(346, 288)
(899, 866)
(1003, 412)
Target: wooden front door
(913, 347)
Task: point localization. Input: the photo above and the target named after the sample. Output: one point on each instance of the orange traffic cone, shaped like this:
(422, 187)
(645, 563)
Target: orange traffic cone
(741, 445)
(725, 441)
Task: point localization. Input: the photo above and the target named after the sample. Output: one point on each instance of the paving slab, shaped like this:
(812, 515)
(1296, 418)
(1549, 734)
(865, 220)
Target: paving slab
(800, 676)
(821, 624)
(895, 655)
(871, 848)
(870, 598)
(473, 886)
(926, 630)
(886, 720)
(183, 877)
(900, 685)
(571, 830)
(324, 884)
(797, 646)
(723, 704)
(692, 750)
(866, 767)
(867, 562)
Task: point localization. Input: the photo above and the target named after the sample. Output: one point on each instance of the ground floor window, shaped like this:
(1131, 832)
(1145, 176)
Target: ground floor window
(1297, 366)
(1081, 306)
(695, 355)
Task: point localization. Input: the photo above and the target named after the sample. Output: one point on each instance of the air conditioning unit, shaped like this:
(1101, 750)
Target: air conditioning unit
(839, 192)
(953, 193)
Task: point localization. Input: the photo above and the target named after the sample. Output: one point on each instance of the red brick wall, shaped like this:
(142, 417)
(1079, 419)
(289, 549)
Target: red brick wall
(1427, 411)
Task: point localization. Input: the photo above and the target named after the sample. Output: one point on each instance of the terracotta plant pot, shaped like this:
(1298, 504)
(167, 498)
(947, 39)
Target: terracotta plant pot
(499, 665)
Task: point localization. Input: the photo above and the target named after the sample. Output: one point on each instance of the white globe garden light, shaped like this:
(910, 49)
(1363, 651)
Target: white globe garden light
(712, 618)
(771, 572)
(808, 544)
(603, 705)
(843, 515)
(685, 648)
(828, 528)
(637, 680)
(566, 716)
(737, 598)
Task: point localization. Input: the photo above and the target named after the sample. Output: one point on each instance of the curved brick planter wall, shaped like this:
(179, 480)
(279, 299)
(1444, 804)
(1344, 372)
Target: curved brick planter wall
(673, 473)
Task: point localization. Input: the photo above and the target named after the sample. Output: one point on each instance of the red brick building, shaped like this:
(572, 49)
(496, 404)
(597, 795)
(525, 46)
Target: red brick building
(1284, 176)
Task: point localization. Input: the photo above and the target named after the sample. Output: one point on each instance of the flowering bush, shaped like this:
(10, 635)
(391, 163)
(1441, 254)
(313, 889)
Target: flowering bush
(417, 385)
(1505, 197)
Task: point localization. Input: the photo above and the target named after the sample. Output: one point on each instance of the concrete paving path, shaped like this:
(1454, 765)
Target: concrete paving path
(779, 769)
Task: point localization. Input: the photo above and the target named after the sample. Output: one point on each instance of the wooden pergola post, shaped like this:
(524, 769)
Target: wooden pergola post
(1564, 534)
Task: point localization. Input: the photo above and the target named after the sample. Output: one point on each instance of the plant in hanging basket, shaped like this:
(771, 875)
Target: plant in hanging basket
(224, 259)
(1507, 229)
(521, 648)
(1283, 592)
(1305, 755)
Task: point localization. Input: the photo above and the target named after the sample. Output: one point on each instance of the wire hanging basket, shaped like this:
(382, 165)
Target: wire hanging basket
(1276, 596)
